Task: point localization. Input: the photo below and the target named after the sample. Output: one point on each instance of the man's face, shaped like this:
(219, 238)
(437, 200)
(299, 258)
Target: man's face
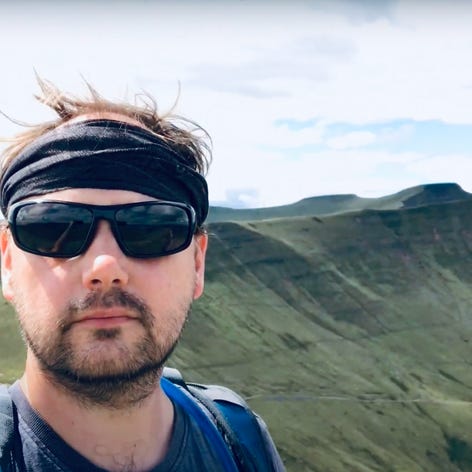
(101, 319)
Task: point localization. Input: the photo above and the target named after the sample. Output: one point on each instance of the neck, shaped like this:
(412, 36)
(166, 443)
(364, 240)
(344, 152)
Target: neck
(123, 437)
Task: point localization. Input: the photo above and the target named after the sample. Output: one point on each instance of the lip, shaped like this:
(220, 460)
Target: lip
(106, 318)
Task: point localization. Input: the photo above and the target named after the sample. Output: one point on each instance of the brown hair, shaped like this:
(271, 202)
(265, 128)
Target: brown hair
(185, 137)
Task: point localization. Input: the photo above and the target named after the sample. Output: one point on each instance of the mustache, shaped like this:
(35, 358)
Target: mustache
(115, 297)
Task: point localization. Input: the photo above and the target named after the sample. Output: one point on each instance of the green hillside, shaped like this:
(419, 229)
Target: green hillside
(350, 334)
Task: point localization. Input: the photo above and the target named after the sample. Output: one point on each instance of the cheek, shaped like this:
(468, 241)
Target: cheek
(36, 285)
(169, 279)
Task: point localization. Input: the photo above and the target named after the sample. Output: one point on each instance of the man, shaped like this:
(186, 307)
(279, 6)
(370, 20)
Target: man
(102, 257)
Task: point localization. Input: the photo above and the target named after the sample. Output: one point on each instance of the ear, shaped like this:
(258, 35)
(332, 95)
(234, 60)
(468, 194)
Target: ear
(5, 251)
(201, 244)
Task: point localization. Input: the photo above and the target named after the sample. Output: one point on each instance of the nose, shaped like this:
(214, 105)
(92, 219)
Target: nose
(103, 262)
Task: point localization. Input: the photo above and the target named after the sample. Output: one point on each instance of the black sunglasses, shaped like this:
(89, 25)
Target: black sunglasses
(66, 229)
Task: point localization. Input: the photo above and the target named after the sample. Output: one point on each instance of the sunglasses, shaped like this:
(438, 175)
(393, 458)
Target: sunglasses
(66, 229)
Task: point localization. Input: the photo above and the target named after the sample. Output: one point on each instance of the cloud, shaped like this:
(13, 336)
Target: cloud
(396, 134)
(239, 198)
(294, 124)
(313, 173)
(358, 10)
(444, 168)
(310, 57)
(354, 139)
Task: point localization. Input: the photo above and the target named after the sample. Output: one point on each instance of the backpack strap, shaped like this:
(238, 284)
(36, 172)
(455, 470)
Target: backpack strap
(184, 399)
(257, 446)
(244, 433)
(7, 431)
(227, 417)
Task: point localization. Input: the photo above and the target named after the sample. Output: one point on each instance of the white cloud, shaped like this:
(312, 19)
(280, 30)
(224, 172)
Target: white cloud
(444, 168)
(388, 135)
(314, 173)
(353, 139)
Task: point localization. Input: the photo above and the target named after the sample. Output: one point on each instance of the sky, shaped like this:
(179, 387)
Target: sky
(301, 98)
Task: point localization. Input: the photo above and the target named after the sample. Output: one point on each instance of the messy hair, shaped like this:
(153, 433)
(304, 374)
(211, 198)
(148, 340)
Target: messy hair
(185, 137)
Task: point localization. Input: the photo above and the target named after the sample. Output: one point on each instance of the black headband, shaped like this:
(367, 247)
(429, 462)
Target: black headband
(103, 154)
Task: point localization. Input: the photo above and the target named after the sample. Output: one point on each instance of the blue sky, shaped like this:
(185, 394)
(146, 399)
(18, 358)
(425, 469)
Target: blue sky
(427, 137)
(301, 98)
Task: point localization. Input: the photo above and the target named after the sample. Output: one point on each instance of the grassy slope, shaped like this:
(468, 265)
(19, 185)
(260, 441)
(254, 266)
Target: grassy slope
(350, 334)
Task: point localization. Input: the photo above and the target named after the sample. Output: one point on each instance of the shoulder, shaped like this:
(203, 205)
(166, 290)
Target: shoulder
(7, 426)
(244, 431)
(6, 413)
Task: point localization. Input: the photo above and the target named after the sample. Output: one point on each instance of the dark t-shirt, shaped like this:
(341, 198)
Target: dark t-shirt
(44, 450)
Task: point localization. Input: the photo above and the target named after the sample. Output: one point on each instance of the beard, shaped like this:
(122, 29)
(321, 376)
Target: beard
(97, 367)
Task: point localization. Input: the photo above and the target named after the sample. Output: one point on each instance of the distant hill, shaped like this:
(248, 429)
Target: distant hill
(415, 196)
(350, 333)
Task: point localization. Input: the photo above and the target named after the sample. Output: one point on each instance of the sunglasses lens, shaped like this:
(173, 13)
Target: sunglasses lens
(61, 229)
(152, 230)
(52, 229)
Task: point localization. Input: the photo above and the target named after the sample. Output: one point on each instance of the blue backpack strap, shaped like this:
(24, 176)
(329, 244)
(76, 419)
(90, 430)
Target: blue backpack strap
(228, 427)
(244, 432)
(183, 398)
(250, 430)
(7, 431)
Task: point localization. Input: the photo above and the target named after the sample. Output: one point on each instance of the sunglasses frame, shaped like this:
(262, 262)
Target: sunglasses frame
(107, 213)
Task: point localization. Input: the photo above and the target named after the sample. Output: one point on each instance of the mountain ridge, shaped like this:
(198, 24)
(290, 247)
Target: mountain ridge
(420, 195)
